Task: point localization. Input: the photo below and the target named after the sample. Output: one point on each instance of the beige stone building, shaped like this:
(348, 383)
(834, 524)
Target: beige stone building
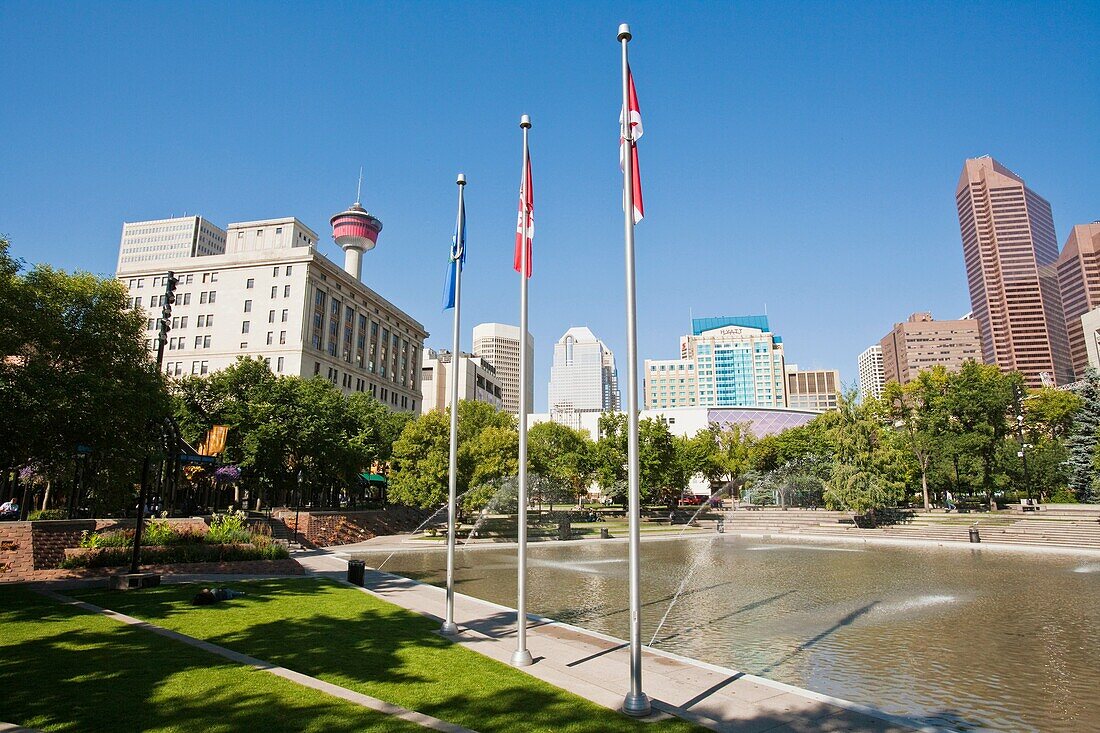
(499, 344)
(922, 342)
(1010, 251)
(1079, 283)
(817, 390)
(477, 380)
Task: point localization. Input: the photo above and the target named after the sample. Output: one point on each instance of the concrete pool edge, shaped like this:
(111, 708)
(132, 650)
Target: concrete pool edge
(782, 687)
(816, 538)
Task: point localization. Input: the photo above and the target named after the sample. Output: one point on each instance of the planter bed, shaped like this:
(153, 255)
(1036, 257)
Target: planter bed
(195, 553)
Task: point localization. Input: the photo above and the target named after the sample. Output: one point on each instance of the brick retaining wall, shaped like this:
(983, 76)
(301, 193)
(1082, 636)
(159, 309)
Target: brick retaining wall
(31, 547)
(325, 529)
(288, 566)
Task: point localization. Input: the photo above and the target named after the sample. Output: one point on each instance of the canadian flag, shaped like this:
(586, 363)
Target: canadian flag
(526, 213)
(635, 122)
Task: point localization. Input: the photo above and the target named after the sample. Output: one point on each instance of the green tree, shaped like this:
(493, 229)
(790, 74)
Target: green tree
(919, 413)
(564, 457)
(661, 474)
(1082, 441)
(978, 402)
(74, 372)
(487, 451)
(611, 456)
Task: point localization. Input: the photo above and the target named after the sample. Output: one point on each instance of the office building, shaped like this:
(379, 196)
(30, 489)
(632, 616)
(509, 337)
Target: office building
(271, 294)
(1010, 251)
(477, 380)
(169, 239)
(871, 378)
(583, 377)
(921, 342)
(499, 344)
(727, 361)
(816, 390)
(1079, 284)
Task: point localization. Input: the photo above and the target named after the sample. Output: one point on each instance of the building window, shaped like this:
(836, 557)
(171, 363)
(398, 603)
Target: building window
(271, 316)
(244, 326)
(202, 297)
(286, 314)
(204, 367)
(282, 337)
(250, 283)
(244, 345)
(316, 368)
(275, 271)
(270, 337)
(274, 290)
(205, 343)
(287, 270)
(212, 297)
(198, 342)
(279, 364)
(248, 306)
(286, 291)
(278, 230)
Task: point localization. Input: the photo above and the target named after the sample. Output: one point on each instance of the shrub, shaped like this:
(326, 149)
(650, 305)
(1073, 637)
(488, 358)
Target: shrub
(48, 514)
(116, 556)
(228, 528)
(1063, 495)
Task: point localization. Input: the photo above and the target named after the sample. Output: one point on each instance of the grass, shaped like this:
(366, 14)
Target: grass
(355, 640)
(64, 669)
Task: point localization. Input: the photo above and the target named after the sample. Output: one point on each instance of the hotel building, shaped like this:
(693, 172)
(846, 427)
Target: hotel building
(922, 342)
(1010, 251)
(271, 294)
(729, 361)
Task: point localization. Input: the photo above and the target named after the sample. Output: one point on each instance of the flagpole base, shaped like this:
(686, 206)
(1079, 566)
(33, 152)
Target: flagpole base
(522, 658)
(637, 706)
(449, 628)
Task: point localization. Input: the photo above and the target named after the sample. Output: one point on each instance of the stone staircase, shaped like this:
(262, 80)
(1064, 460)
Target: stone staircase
(1055, 527)
(282, 534)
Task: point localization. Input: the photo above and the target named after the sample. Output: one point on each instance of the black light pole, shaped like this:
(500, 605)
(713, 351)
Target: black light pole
(298, 508)
(1023, 453)
(170, 283)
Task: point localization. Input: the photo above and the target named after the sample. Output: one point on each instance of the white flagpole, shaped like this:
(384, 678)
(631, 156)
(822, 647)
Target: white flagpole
(636, 702)
(521, 657)
(449, 626)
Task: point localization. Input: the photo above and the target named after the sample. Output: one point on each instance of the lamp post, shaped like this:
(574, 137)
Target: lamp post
(1023, 452)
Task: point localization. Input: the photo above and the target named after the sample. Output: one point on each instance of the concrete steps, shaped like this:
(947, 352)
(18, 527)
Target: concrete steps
(1075, 527)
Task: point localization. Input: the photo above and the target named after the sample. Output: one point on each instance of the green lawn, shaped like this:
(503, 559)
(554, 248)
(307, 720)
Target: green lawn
(63, 669)
(355, 640)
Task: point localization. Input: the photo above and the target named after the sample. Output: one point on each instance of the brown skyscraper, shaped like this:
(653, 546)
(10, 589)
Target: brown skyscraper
(1079, 282)
(1010, 251)
(921, 343)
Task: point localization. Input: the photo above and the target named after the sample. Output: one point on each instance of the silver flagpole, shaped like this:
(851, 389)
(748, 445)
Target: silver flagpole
(449, 625)
(636, 702)
(521, 657)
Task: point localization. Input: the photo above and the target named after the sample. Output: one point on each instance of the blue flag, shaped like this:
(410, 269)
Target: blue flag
(458, 257)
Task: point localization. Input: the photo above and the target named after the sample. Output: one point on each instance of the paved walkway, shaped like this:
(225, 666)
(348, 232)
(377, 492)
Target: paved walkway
(595, 666)
(343, 693)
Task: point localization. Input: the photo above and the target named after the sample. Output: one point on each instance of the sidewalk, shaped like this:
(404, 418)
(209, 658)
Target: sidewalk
(596, 666)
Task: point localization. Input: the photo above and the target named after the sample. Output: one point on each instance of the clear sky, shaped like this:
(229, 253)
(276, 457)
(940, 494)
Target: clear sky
(801, 156)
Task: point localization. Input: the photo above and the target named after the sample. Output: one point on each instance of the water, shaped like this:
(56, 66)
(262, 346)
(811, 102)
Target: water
(962, 638)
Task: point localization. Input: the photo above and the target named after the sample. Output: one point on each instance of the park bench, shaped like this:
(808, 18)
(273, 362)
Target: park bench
(1028, 505)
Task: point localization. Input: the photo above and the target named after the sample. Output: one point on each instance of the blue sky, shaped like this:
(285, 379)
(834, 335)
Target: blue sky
(801, 156)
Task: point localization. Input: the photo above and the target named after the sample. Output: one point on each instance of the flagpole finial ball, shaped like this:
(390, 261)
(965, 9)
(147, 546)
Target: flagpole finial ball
(461, 179)
(525, 120)
(624, 32)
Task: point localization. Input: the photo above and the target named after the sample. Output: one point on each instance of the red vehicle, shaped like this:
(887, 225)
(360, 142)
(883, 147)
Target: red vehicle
(691, 500)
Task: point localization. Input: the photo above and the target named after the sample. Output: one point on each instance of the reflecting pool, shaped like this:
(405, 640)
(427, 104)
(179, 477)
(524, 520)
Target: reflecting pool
(960, 637)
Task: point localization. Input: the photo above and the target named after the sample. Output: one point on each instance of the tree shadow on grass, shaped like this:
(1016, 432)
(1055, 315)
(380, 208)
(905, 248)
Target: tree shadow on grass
(75, 671)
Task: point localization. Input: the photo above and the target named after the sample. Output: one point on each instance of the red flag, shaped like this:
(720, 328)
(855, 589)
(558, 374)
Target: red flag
(526, 211)
(635, 121)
